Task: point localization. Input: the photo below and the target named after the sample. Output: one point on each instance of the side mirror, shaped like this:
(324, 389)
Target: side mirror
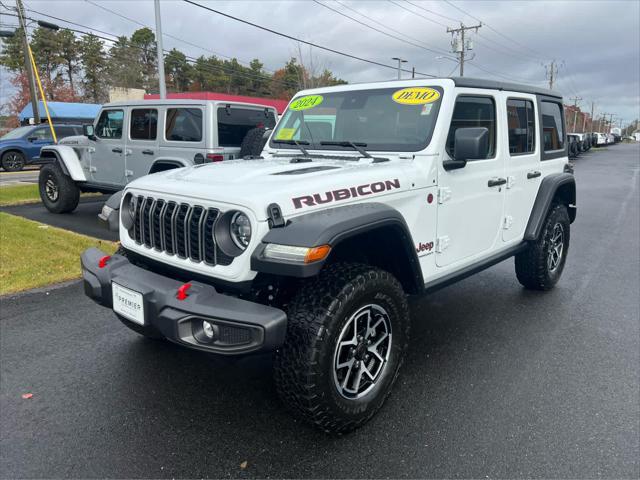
(88, 131)
(469, 144)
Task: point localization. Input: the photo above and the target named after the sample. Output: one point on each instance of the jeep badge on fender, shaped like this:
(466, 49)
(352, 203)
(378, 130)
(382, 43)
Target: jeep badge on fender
(363, 195)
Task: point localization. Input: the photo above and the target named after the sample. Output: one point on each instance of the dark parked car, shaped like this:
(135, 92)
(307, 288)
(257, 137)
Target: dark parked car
(574, 145)
(22, 145)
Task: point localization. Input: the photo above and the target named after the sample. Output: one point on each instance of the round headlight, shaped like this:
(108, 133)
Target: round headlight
(240, 229)
(128, 211)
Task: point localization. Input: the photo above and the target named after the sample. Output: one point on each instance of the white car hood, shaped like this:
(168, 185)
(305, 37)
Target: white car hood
(255, 184)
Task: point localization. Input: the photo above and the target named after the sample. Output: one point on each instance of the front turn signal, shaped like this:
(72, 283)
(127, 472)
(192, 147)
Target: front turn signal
(316, 254)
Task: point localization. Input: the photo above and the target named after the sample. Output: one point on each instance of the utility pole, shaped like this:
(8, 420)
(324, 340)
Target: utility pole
(592, 107)
(461, 47)
(160, 51)
(552, 72)
(400, 62)
(575, 99)
(413, 72)
(27, 63)
(603, 122)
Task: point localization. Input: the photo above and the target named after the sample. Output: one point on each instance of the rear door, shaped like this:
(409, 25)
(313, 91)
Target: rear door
(470, 199)
(522, 164)
(108, 157)
(234, 121)
(142, 141)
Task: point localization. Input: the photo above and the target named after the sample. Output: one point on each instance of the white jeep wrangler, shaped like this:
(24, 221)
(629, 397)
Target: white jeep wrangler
(365, 194)
(132, 139)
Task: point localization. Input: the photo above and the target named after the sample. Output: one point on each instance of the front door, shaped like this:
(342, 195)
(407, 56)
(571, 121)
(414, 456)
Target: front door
(108, 157)
(37, 139)
(470, 199)
(142, 142)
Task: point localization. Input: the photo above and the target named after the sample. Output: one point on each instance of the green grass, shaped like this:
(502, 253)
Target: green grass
(16, 194)
(35, 255)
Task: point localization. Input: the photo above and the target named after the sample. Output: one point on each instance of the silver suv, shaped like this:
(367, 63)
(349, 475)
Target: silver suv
(130, 139)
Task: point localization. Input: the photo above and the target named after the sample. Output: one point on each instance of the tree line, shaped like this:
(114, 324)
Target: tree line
(84, 68)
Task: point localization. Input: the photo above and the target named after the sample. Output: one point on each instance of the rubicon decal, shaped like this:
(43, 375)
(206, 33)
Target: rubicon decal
(345, 193)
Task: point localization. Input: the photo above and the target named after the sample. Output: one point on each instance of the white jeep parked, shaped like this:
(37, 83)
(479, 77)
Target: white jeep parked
(132, 139)
(366, 194)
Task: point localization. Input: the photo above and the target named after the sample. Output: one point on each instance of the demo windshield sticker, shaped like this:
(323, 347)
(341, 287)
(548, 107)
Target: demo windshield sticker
(415, 96)
(285, 134)
(307, 102)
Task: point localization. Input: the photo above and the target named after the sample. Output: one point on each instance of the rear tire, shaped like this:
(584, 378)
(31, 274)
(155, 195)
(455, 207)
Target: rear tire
(327, 371)
(58, 192)
(13, 161)
(541, 265)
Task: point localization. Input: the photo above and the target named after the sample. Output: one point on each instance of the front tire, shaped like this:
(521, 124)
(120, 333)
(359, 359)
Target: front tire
(347, 336)
(12, 161)
(58, 192)
(541, 265)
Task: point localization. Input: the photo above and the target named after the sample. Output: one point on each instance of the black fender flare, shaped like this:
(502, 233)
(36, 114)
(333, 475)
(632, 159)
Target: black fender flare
(560, 186)
(174, 163)
(332, 227)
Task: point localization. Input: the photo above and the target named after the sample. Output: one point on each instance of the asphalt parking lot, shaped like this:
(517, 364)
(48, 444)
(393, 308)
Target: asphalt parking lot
(499, 381)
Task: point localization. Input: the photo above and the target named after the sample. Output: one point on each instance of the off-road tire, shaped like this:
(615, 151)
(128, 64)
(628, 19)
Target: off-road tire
(146, 331)
(253, 143)
(532, 265)
(12, 161)
(316, 316)
(58, 191)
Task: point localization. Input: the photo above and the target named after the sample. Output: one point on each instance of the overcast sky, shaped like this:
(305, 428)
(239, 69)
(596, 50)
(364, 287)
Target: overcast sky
(595, 43)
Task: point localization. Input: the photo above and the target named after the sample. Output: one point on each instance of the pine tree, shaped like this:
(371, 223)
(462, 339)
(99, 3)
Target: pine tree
(94, 67)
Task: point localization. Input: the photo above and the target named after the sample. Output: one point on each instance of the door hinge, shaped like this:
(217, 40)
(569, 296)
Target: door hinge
(93, 169)
(444, 194)
(91, 150)
(442, 243)
(127, 151)
(128, 173)
(507, 222)
(511, 181)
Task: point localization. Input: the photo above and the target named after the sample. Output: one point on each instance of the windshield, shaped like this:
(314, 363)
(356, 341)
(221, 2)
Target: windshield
(16, 133)
(388, 119)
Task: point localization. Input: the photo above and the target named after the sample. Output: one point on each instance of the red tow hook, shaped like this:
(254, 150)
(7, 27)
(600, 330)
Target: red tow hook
(182, 291)
(103, 261)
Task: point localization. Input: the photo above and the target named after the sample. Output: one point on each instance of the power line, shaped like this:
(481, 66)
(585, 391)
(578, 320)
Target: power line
(290, 37)
(186, 42)
(376, 29)
(432, 12)
(377, 22)
(224, 68)
(491, 28)
(418, 14)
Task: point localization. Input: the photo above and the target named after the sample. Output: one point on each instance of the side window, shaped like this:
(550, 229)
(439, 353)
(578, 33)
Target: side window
(522, 126)
(144, 124)
(110, 124)
(41, 134)
(552, 129)
(471, 111)
(184, 124)
(234, 123)
(62, 132)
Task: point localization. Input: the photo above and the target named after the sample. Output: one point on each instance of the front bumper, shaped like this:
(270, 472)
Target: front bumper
(241, 326)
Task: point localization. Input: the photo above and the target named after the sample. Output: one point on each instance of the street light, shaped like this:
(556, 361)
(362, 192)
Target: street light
(400, 62)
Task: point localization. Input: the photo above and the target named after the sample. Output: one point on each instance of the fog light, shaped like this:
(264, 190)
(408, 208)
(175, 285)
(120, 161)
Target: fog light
(207, 330)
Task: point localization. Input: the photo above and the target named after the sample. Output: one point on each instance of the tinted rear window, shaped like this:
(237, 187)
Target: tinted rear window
(184, 124)
(144, 124)
(234, 123)
(552, 126)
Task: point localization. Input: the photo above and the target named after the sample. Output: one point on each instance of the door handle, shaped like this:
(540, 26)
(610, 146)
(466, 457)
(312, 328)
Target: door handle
(116, 150)
(534, 174)
(496, 182)
(147, 152)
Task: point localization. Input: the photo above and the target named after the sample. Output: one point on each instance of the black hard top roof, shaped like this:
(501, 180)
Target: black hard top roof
(497, 85)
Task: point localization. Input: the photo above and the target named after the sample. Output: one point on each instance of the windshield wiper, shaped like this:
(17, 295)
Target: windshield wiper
(297, 143)
(355, 145)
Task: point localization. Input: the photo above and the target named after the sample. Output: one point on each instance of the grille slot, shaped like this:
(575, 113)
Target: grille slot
(178, 229)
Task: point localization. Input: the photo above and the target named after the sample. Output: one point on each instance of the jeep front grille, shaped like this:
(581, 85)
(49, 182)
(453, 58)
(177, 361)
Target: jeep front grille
(178, 229)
